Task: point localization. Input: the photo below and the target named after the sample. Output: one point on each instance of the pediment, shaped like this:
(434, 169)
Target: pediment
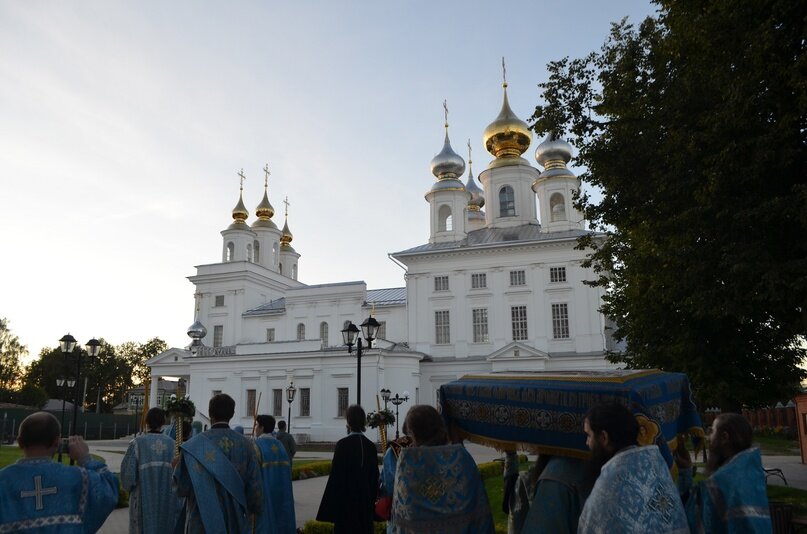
(518, 352)
(171, 356)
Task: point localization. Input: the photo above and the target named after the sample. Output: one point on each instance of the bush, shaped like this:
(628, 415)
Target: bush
(491, 469)
(312, 470)
(123, 496)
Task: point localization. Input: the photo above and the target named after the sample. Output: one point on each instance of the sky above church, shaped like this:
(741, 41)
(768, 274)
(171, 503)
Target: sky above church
(124, 125)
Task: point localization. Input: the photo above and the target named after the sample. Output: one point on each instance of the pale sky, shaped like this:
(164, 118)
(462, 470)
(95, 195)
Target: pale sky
(123, 126)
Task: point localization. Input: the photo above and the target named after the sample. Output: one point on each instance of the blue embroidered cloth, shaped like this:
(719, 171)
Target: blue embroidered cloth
(545, 410)
(439, 490)
(634, 494)
(278, 511)
(39, 495)
(733, 499)
(146, 473)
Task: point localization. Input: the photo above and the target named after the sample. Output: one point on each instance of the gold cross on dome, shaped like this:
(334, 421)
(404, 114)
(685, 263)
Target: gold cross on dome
(286, 202)
(504, 72)
(266, 173)
(469, 151)
(445, 111)
(241, 174)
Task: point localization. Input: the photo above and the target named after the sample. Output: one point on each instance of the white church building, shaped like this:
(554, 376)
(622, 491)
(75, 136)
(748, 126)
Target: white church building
(496, 287)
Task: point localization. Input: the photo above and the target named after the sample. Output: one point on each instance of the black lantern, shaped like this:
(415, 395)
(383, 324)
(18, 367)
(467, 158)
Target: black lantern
(290, 391)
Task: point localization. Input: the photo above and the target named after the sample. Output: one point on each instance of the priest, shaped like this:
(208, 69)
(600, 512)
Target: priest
(37, 494)
(278, 511)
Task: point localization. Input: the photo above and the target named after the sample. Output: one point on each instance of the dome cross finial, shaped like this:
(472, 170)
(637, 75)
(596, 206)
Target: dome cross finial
(266, 174)
(469, 154)
(445, 112)
(286, 202)
(242, 177)
(504, 74)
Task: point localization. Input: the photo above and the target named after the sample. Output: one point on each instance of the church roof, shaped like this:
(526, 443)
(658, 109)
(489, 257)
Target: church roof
(386, 297)
(270, 308)
(490, 237)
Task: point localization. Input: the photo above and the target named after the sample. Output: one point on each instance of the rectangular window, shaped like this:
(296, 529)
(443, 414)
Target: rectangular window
(442, 328)
(218, 335)
(219, 301)
(341, 402)
(216, 392)
(382, 330)
(560, 321)
(557, 274)
(251, 398)
(441, 283)
(479, 280)
(270, 334)
(277, 402)
(480, 325)
(518, 315)
(517, 278)
(305, 402)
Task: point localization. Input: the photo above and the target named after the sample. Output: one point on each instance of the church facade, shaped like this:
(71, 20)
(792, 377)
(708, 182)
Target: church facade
(498, 286)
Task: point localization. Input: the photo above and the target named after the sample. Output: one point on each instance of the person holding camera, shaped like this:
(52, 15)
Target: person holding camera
(37, 493)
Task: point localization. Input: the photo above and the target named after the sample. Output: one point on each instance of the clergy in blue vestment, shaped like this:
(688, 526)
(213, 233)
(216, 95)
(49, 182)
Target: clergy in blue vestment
(389, 466)
(735, 496)
(218, 475)
(38, 495)
(438, 488)
(146, 474)
(549, 497)
(634, 492)
(278, 512)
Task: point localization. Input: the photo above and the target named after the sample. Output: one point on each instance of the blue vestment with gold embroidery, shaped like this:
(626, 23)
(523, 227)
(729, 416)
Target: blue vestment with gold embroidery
(439, 490)
(145, 472)
(634, 493)
(278, 512)
(733, 499)
(39, 495)
(218, 474)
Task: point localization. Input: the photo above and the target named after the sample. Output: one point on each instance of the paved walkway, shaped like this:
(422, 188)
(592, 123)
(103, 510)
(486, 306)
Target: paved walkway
(308, 493)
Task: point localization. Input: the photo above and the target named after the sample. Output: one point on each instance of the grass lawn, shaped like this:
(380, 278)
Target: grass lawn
(775, 446)
(10, 454)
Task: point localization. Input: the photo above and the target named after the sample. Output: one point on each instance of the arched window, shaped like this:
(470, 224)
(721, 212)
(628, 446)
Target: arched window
(257, 248)
(274, 252)
(281, 268)
(323, 333)
(557, 206)
(300, 332)
(230, 252)
(249, 252)
(294, 271)
(507, 203)
(445, 222)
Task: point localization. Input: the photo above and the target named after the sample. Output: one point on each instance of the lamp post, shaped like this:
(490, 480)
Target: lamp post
(350, 335)
(63, 383)
(385, 394)
(290, 391)
(397, 401)
(67, 345)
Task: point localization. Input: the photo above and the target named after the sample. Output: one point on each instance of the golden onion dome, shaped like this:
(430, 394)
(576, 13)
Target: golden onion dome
(240, 212)
(265, 210)
(507, 136)
(477, 196)
(286, 236)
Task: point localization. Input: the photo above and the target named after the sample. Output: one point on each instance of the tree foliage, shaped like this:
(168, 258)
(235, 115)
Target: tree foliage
(11, 354)
(694, 127)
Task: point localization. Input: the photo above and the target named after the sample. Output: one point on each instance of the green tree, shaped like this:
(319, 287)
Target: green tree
(694, 127)
(11, 354)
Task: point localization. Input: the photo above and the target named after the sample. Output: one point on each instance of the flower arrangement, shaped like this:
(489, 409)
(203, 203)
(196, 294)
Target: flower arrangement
(183, 406)
(380, 418)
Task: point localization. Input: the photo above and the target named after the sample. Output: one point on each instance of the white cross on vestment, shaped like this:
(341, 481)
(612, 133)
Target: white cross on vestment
(38, 492)
(158, 447)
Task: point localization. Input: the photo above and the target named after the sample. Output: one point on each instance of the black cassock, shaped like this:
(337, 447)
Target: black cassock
(349, 498)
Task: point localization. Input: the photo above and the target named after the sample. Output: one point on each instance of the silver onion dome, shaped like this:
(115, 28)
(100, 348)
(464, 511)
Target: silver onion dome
(197, 330)
(477, 200)
(447, 164)
(553, 152)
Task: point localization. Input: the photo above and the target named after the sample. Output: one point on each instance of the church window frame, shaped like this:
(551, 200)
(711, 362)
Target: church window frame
(441, 283)
(507, 201)
(442, 327)
(277, 402)
(445, 219)
(381, 333)
(323, 333)
(218, 302)
(518, 316)
(479, 325)
(518, 278)
(557, 207)
(256, 247)
(341, 401)
(251, 397)
(229, 252)
(270, 335)
(218, 335)
(557, 275)
(249, 252)
(479, 281)
(305, 402)
(300, 331)
(294, 271)
(560, 320)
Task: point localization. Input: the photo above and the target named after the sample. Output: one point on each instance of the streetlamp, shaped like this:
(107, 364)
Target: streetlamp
(290, 391)
(67, 345)
(63, 383)
(397, 401)
(385, 394)
(369, 329)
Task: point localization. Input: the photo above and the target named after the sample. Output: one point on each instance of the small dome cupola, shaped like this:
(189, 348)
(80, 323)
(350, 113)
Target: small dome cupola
(286, 235)
(477, 200)
(507, 137)
(447, 164)
(240, 212)
(265, 211)
(553, 154)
